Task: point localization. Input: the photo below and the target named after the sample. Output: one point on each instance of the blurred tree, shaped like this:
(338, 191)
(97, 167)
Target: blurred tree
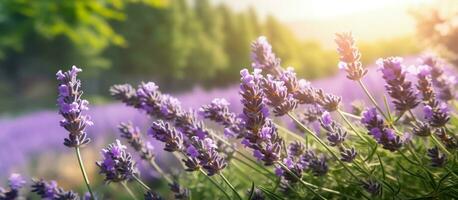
(438, 25)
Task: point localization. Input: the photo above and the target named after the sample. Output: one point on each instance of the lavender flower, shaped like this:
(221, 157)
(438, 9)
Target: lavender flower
(152, 196)
(436, 113)
(218, 111)
(437, 159)
(422, 129)
(179, 192)
(310, 114)
(50, 190)
(262, 56)
(71, 106)
(205, 150)
(445, 84)
(404, 97)
(336, 137)
(305, 94)
(117, 164)
(449, 141)
(15, 182)
(261, 134)
(164, 132)
(133, 136)
(381, 133)
(126, 93)
(317, 164)
(348, 155)
(373, 187)
(336, 134)
(329, 102)
(350, 57)
(277, 96)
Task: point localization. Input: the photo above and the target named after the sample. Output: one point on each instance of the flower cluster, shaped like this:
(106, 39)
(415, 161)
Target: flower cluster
(180, 193)
(189, 131)
(218, 111)
(336, 136)
(277, 95)
(133, 136)
(263, 57)
(117, 164)
(350, 57)
(401, 90)
(260, 133)
(380, 131)
(445, 84)
(15, 183)
(50, 190)
(300, 159)
(71, 106)
(437, 158)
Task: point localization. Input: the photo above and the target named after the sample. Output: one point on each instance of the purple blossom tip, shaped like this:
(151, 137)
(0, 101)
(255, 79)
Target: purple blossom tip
(16, 181)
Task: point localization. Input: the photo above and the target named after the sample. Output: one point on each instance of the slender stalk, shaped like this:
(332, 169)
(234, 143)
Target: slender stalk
(441, 146)
(372, 98)
(290, 132)
(83, 171)
(238, 151)
(324, 145)
(254, 168)
(142, 184)
(216, 184)
(230, 185)
(300, 180)
(160, 171)
(129, 191)
(351, 126)
(350, 115)
(435, 140)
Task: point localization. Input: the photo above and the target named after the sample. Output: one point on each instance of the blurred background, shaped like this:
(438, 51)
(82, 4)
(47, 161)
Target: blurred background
(191, 48)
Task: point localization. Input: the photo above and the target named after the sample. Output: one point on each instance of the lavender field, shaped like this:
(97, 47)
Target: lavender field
(207, 99)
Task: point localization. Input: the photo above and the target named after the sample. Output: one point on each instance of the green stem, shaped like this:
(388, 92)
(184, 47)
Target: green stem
(300, 180)
(83, 171)
(441, 146)
(352, 127)
(350, 115)
(216, 184)
(254, 168)
(324, 145)
(142, 184)
(372, 98)
(238, 151)
(159, 170)
(230, 185)
(128, 190)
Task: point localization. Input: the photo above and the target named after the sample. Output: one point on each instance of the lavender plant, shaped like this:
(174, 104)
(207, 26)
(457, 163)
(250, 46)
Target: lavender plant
(71, 107)
(370, 153)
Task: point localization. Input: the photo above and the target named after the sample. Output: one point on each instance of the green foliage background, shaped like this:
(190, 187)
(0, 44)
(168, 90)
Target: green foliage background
(179, 44)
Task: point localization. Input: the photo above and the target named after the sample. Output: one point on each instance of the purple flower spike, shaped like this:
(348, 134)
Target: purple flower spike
(71, 107)
(164, 132)
(218, 111)
(349, 56)
(262, 56)
(380, 131)
(401, 90)
(50, 190)
(117, 164)
(16, 181)
(133, 136)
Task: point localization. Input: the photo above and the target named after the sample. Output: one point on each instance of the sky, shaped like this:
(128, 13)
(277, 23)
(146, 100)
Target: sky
(320, 19)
